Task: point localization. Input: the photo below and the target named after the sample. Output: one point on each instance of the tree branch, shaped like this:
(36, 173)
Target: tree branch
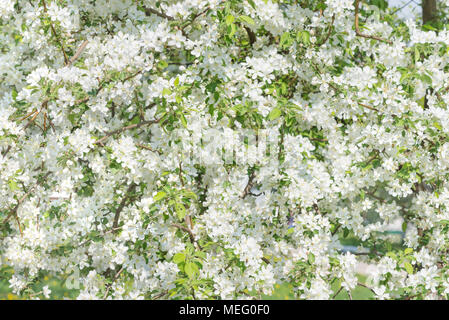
(249, 185)
(21, 200)
(121, 206)
(148, 148)
(66, 59)
(4, 153)
(150, 11)
(194, 18)
(191, 235)
(132, 126)
(331, 27)
(78, 52)
(357, 30)
(368, 107)
(160, 295)
(251, 35)
(365, 286)
(336, 294)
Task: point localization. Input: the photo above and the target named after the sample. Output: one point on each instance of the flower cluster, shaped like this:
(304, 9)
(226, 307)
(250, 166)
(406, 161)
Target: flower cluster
(211, 149)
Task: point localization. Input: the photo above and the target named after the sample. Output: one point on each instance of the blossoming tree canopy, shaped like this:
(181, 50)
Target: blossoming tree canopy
(210, 149)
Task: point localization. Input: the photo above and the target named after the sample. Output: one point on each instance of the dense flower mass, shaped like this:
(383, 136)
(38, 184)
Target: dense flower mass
(210, 149)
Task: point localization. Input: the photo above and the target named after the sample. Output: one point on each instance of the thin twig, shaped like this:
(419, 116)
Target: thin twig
(194, 17)
(336, 230)
(132, 126)
(331, 27)
(357, 30)
(122, 205)
(147, 148)
(66, 59)
(181, 179)
(85, 99)
(249, 185)
(191, 235)
(375, 197)
(365, 286)
(349, 294)
(115, 278)
(368, 107)
(4, 153)
(78, 52)
(336, 294)
(190, 232)
(150, 11)
(160, 295)
(103, 234)
(21, 200)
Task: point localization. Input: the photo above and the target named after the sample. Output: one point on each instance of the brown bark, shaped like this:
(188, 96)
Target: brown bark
(429, 11)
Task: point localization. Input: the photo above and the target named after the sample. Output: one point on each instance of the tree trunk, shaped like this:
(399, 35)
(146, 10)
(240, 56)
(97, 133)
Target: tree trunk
(429, 11)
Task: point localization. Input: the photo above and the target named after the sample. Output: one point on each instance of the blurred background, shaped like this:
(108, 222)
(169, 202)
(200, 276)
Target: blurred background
(406, 9)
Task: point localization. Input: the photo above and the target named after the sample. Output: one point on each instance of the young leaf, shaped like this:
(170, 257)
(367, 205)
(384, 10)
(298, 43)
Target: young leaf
(229, 19)
(247, 19)
(274, 114)
(13, 185)
(166, 92)
(311, 258)
(180, 210)
(191, 269)
(159, 196)
(408, 267)
(179, 257)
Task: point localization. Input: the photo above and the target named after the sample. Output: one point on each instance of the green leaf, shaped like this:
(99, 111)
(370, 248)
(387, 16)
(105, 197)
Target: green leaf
(305, 37)
(183, 120)
(285, 39)
(191, 269)
(233, 30)
(404, 226)
(391, 254)
(12, 185)
(176, 83)
(135, 120)
(408, 267)
(274, 114)
(429, 27)
(437, 125)
(229, 19)
(180, 210)
(200, 254)
(311, 258)
(162, 64)
(159, 196)
(247, 19)
(166, 92)
(179, 257)
(408, 250)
